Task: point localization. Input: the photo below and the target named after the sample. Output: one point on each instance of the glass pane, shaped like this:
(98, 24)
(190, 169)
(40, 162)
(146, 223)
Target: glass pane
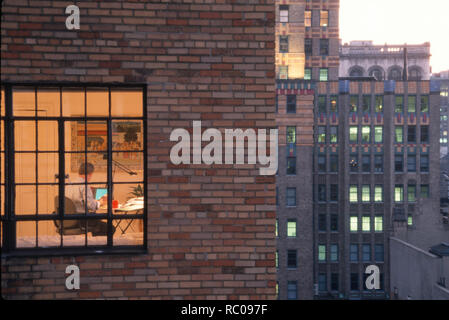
(127, 135)
(48, 235)
(48, 102)
(81, 199)
(97, 231)
(26, 234)
(73, 102)
(2, 167)
(25, 200)
(76, 139)
(98, 102)
(97, 136)
(25, 135)
(126, 103)
(47, 198)
(48, 167)
(73, 233)
(47, 133)
(25, 167)
(99, 163)
(73, 162)
(127, 166)
(128, 232)
(24, 102)
(2, 200)
(2, 135)
(2, 102)
(129, 197)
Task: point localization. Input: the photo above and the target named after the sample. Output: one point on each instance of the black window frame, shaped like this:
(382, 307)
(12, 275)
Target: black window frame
(10, 219)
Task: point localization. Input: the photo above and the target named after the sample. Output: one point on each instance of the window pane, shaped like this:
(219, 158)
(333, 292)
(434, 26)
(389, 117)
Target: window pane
(411, 193)
(353, 224)
(25, 199)
(48, 167)
(47, 197)
(2, 103)
(424, 103)
(353, 194)
(47, 132)
(399, 134)
(323, 74)
(412, 104)
(353, 104)
(24, 102)
(128, 232)
(378, 193)
(353, 133)
(366, 134)
(291, 229)
(378, 224)
(48, 234)
(73, 102)
(321, 253)
(378, 134)
(126, 103)
(25, 167)
(74, 232)
(399, 108)
(324, 18)
(98, 102)
(379, 104)
(398, 193)
(48, 102)
(26, 234)
(25, 135)
(127, 166)
(291, 134)
(366, 197)
(366, 224)
(366, 104)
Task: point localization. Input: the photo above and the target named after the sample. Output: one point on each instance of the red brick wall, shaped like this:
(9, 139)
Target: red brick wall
(210, 229)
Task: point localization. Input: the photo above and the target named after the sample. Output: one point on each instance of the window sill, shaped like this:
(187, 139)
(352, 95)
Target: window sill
(80, 251)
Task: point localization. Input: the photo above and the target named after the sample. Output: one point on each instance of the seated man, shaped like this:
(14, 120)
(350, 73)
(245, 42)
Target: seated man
(84, 199)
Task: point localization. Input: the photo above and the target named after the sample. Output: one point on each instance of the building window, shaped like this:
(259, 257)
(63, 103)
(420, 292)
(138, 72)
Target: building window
(324, 18)
(424, 134)
(334, 193)
(415, 74)
(321, 163)
(307, 18)
(366, 252)
(366, 163)
(291, 135)
(399, 134)
(424, 163)
(399, 106)
(321, 192)
(322, 282)
(291, 166)
(333, 163)
(424, 104)
(322, 104)
(399, 163)
(334, 104)
(276, 258)
(291, 259)
(354, 224)
(356, 72)
(425, 191)
(366, 104)
(324, 47)
(353, 252)
(378, 134)
(411, 134)
(307, 74)
(69, 145)
(308, 47)
(379, 252)
(353, 194)
(353, 134)
(334, 252)
(321, 134)
(291, 103)
(378, 223)
(353, 162)
(322, 222)
(378, 193)
(411, 193)
(366, 193)
(283, 14)
(292, 290)
(291, 228)
(334, 282)
(355, 282)
(395, 74)
(353, 103)
(378, 163)
(411, 163)
(398, 193)
(321, 252)
(411, 104)
(276, 230)
(334, 222)
(377, 73)
(283, 44)
(378, 107)
(410, 220)
(366, 224)
(283, 72)
(291, 197)
(324, 74)
(366, 134)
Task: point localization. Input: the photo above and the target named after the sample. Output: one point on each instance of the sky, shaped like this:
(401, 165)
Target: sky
(399, 22)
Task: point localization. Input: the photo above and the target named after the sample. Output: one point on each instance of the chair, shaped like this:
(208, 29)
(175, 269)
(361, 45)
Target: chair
(70, 227)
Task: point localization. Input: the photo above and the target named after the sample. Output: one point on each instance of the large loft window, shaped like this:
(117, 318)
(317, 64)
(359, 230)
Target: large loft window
(74, 178)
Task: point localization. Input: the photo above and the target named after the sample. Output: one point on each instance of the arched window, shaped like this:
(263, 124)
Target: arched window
(356, 72)
(378, 73)
(415, 74)
(395, 74)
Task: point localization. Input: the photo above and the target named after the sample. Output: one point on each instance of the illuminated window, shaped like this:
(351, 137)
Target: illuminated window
(307, 18)
(353, 224)
(276, 232)
(322, 134)
(333, 134)
(307, 74)
(411, 193)
(399, 134)
(354, 162)
(411, 104)
(399, 106)
(291, 134)
(366, 224)
(322, 252)
(366, 193)
(324, 18)
(353, 194)
(378, 134)
(410, 220)
(378, 193)
(378, 223)
(353, 103)
(398, 193)
(353, 134)
(366, 134)
(324, 74)
(424, 103)
(283, 14)
(291, 228)
(334, 104)
(283, 72)
(378, 107)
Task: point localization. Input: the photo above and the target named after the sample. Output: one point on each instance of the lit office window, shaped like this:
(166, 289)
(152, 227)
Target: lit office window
(399, 134)
(353, 103)
(379, 102)
(277, 259)
(324, 18)
(334, 252)
(411, 193)
(324, 76)
(353, 224)
(322, 252)
(424, 104)
(292, 290)
(283, 72)
(398, 193)
(291, 228)
(411, 104)
(283, 14)
(410, 220)
(291, 135)
(353, 134)
(353, 252)
(378, 223)
(283, 44)
(366, 134)
(424, 163)
(366, 193)
(366, 224)
(291, 197)
(321, 134)
(378, 193)
(353, 193)
(366, 252)
(379, 254)
(399, 105)
(276, 232)
(334, 104)
(307, 74)
(307, 18)
(378, 134)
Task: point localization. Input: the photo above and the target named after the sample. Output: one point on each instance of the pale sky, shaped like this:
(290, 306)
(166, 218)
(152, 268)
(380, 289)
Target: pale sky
(399, 22)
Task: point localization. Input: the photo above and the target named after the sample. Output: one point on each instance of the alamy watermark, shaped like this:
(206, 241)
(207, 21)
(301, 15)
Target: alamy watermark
(212, 153)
